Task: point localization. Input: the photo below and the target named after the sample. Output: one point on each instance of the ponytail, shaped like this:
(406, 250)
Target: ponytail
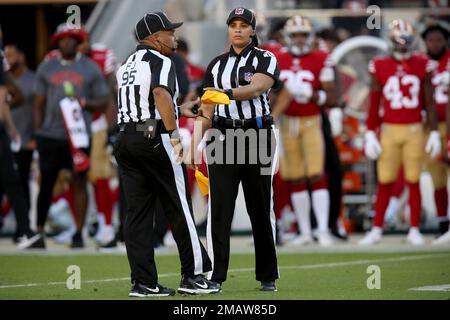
(255, 40)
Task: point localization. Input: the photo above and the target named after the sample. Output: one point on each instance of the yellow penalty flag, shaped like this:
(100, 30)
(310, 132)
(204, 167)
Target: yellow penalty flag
(215, 97)
(203, 182)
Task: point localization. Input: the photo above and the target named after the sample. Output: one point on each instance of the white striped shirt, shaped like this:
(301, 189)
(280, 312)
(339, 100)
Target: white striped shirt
(143, 71)
(231, 70)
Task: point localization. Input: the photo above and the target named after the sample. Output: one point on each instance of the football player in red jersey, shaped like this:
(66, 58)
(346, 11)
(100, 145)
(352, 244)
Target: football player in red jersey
(435, 36)
(308, 79)
(401, 81)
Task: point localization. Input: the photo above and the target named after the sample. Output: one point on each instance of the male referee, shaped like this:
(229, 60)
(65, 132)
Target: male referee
(148, 151)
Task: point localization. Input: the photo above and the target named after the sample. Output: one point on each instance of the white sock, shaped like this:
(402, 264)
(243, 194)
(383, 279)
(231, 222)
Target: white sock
(377, 230)
(302, 208)
(321, 205)
(414, 230)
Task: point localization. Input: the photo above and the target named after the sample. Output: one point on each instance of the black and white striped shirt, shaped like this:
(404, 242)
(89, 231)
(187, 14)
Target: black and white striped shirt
(143, 71)
(232, 70)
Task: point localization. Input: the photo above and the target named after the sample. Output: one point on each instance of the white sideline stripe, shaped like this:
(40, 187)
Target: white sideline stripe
(87, 281)
(443, 287)
(307, 266)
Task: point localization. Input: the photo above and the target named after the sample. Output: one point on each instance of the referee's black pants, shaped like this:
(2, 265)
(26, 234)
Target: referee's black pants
(148, 173)
(256, 179)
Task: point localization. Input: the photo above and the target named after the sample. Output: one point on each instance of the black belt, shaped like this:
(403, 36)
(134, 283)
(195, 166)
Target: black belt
(132, 127)
(256, 123)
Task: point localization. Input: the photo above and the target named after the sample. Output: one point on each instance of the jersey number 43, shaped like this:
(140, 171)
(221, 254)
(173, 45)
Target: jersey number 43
(395, 88)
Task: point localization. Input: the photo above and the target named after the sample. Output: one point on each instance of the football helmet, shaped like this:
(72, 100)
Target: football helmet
(402, 38)
(295, 25)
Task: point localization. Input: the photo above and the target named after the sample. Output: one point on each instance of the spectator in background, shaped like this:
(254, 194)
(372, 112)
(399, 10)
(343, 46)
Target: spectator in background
(100, 171)
(9, 178)
(195, 73)
(195, 76)
(328, 40)
(275, 38)
(52, 141)
(182, 76)
(22, 114)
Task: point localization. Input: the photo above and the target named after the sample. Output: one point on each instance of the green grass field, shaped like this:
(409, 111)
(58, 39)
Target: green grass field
(303, 276)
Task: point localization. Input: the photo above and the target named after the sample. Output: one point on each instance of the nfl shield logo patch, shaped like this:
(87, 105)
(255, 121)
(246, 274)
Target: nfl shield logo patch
(248, 76)
(239, 11)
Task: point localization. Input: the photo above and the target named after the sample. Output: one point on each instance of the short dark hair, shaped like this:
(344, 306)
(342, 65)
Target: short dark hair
(437, 28)
(329, 34)
(16, 46)
(277, 26)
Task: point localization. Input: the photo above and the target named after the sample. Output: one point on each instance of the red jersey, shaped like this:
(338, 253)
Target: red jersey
(401, 88)
(305, 70)
(440, 81)
(272, 46)
(104, 57)
(195, 73)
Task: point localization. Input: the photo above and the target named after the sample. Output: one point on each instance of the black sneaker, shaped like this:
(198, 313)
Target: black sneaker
(77, 241)
(198, 284)
(142, 291)
(31, 241)
(268, 286)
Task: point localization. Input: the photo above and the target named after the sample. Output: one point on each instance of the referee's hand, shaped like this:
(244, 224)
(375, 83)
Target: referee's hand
(190, 109)
(177, 152)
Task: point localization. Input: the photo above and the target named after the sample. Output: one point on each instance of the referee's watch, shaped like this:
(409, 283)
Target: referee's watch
(174, 134)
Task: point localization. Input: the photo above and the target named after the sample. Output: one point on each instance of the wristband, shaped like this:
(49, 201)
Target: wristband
(229, 93)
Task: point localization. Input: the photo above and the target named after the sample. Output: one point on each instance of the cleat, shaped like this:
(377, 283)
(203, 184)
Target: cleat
(77, 241)
(268, 286)
(302, 240)
(415, 237)
(325, 239)
(141, 291)
(34, 241)
(372, 237)
(65, 237)
(198, 285)
(444, 239)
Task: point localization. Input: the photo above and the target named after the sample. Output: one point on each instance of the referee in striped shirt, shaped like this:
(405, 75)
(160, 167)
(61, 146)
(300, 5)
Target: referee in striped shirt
(148, 151)
(246, 74)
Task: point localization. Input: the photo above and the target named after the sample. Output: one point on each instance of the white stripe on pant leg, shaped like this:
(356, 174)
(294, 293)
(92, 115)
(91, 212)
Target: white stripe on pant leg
(209, 242)
(273, 218)
(274, 165)
(179, 180)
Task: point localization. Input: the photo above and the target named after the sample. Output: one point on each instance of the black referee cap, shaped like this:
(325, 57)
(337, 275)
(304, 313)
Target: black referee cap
(244, 14)
(152, 23)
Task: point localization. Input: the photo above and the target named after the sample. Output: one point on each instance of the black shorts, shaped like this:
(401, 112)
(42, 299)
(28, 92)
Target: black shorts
(55, 154)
